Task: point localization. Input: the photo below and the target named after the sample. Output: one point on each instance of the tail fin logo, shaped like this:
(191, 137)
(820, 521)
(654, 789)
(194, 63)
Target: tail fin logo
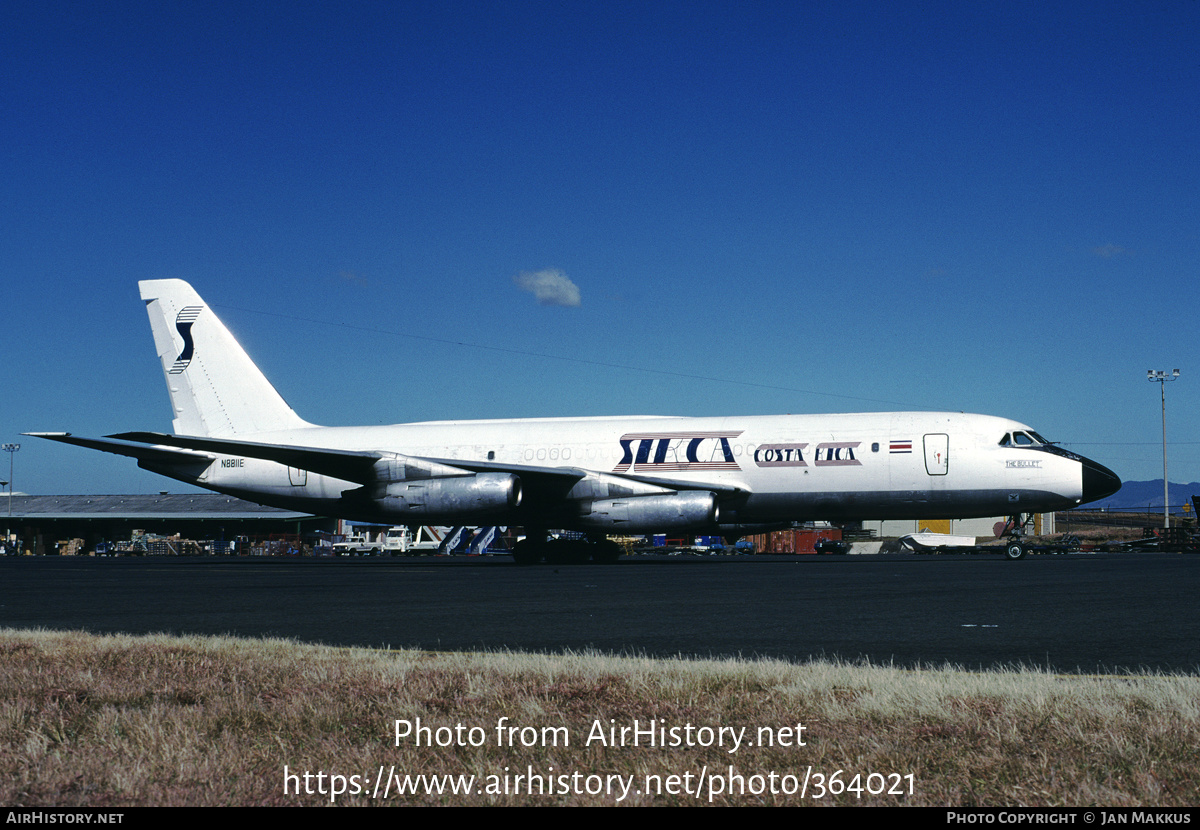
(183, 325)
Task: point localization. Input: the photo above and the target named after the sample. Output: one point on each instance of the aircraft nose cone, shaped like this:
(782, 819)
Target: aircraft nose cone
(1098, 481)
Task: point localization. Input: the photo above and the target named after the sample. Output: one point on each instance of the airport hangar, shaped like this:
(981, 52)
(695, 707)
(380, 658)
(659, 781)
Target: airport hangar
(41, 522)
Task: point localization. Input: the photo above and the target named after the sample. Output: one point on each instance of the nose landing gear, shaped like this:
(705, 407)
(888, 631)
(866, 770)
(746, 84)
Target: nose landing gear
(1016, 548)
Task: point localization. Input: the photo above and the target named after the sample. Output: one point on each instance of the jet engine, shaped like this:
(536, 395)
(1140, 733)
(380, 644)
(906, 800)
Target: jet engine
(457, 499)
(677, 511)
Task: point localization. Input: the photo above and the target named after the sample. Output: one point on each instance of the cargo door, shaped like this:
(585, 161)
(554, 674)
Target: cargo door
(937, 449)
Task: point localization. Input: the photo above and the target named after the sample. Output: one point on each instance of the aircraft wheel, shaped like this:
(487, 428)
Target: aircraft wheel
(1014, 551)
(568, 552)
(523, 553)
(606, 552)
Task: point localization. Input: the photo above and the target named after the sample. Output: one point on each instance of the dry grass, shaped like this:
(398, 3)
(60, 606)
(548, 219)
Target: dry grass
(125, 721)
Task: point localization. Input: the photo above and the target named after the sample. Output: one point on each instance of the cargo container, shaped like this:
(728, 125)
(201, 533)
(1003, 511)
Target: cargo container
(797, 540)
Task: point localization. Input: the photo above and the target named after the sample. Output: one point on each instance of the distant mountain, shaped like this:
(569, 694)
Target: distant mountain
(1138, 495)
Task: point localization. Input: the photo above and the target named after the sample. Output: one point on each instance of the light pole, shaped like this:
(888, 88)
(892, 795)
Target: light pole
(1161, 378)
(11, 449)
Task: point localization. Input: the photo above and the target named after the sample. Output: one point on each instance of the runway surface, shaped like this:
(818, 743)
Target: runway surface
(1079, 613)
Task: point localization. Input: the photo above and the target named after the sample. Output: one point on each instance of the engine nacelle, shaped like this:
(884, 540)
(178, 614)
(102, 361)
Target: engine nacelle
(456, 499)
(642, 514)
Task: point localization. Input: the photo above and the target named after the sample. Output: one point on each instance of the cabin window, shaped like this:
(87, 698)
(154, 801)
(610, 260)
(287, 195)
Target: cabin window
(875, 447)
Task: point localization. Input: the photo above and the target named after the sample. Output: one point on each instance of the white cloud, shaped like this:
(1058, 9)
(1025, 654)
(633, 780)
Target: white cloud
(550, 286)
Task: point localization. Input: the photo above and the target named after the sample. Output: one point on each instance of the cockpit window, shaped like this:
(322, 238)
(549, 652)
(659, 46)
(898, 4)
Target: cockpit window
(1022, 439)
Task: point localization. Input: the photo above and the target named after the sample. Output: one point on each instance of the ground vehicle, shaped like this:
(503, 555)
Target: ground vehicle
(355, 545)
(393, 541)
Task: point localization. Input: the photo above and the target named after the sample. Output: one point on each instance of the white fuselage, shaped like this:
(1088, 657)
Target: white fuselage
(790, 467)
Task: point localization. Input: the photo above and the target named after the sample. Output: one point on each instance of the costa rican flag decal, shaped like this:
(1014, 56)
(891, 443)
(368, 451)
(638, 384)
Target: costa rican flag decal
(901, 446)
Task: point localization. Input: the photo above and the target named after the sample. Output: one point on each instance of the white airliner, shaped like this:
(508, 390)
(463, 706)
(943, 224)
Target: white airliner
(234, 434)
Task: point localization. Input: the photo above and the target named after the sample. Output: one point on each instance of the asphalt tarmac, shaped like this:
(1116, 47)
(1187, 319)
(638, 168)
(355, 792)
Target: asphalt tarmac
(1073, 613)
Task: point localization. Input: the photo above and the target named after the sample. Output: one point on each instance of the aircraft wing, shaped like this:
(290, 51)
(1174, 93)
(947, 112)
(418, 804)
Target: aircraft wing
(349, 465)
(360, 465)
(577, 473)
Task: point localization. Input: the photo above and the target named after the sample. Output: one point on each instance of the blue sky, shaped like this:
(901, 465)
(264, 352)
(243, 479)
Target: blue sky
(766, 208)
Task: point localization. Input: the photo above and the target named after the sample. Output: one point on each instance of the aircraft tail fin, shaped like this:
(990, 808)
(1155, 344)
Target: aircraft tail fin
(215, 388)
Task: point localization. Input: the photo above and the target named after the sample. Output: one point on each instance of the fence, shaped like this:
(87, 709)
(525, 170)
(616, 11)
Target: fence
(1180, 516)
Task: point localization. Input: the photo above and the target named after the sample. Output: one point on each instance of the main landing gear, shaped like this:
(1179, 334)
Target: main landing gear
(536, 548)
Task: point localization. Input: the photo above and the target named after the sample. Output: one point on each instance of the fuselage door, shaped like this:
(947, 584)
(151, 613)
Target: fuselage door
(937, 451)
(297, 477)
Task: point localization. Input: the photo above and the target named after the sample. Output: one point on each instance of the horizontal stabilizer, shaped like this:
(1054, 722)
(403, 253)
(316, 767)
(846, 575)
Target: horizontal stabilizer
(140, 451)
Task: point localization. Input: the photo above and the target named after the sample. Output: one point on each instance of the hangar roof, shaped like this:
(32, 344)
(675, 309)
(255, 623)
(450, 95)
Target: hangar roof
(172, 506)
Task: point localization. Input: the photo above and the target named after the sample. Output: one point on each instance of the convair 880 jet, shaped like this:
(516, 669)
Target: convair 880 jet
(234, 434)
